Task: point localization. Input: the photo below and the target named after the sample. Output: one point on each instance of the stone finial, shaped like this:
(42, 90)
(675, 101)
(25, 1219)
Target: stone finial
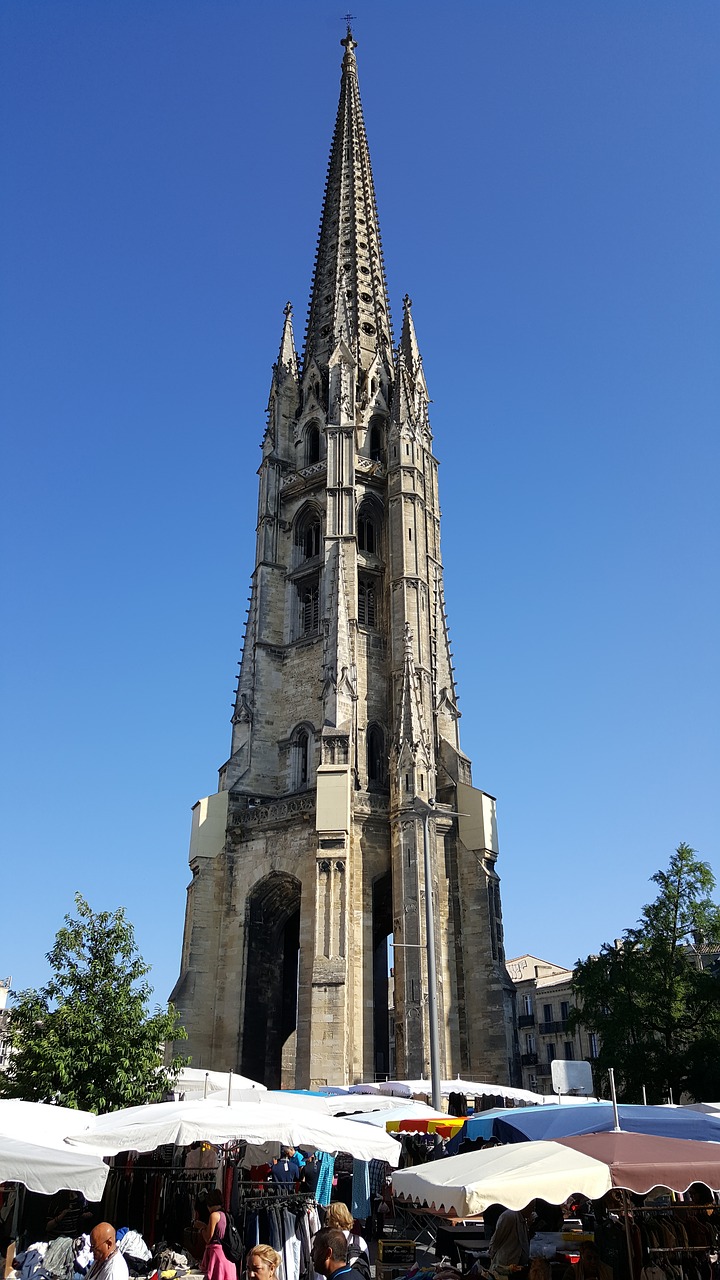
(409, 642)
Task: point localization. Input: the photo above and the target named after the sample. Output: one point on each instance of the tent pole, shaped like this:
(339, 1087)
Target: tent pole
(613, 1095)
(229, 1087)
(628, 1238)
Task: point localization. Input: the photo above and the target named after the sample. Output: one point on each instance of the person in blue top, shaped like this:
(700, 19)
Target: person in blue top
(329, 1256)
(285, 1172)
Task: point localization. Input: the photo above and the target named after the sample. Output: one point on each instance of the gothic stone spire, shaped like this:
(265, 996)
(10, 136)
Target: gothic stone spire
(349, 293)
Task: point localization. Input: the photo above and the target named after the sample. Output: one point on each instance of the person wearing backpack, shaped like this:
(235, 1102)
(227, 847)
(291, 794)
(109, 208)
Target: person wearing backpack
(216, 1265)
(339, 1218)
(329, 1257)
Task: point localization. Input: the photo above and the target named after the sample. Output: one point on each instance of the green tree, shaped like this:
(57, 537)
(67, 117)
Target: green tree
(656, 1011)
(87, 1039)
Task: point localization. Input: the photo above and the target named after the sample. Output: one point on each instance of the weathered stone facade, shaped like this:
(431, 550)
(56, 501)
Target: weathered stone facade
(346, 716)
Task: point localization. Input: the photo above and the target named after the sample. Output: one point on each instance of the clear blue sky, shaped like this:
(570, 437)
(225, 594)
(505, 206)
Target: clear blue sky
(547, 178)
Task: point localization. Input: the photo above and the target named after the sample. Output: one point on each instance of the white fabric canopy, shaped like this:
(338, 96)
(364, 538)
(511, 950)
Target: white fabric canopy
(409, 1088)
(461, 1186)
(32, 1150)
(405, 1111)
(192, 1082)
(40, 1121)
(360, 1103)
(49, 1168)
(259, 1122)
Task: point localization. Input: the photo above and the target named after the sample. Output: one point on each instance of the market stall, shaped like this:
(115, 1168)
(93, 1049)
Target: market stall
(262, 1124)
(561, 1121)
(591, 1165)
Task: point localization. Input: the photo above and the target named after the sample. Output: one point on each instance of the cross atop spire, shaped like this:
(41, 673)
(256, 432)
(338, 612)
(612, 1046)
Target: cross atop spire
(349, 278)
(348, 42)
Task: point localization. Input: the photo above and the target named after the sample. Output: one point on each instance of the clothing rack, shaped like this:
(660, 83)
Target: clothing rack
(674, 1207)
(179, 1170)
(297, 1198)
(680, 1248)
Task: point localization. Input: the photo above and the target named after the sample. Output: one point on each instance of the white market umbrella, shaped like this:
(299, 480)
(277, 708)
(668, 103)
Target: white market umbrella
(281, 1098)
(405, 1111)
(40, 1121)
(471, 1088)
(590, 1165)
(49, 1167)
(32, 1150)
(359, 1103)
(257, 1122)
(195, 1082)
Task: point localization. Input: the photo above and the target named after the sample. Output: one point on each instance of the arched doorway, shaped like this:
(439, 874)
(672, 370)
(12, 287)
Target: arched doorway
(270, 1017)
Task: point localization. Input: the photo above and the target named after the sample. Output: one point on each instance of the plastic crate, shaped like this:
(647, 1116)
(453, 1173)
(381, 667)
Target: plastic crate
(396, 1253)
(390, 1271)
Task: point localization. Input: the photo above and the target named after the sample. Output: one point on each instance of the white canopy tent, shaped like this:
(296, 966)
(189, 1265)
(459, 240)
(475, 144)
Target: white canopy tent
(260, 1123)
(589, 1163)
(40, 1121)
(52, 1166)
(195, 1082)
(462, 1186)
(32, 1150)
(358, 1104)
(471, 1088)
(400, 1112)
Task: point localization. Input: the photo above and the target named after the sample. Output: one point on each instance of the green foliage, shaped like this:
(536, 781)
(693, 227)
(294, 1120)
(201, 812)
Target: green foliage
(87, 1039)
(657, 1013)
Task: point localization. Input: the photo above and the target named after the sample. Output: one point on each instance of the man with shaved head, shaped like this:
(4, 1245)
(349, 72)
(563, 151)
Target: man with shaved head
(109, 1263)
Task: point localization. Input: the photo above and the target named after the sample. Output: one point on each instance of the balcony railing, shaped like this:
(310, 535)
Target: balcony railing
(528, 1059)
(553, 1028)
(526, 1020)
(543, 1068)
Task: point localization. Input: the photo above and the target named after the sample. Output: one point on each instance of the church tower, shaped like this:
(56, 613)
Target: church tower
(310, 856)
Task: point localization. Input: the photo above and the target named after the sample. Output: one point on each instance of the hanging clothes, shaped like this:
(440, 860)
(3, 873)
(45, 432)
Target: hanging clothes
(324, 1186)
(360, 1190)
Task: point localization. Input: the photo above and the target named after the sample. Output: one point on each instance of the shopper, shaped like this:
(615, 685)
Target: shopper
(262, 1263)
(109, 1263)
(510, 1245)
(329, 1256)
(215, 1265)
(339, 1216)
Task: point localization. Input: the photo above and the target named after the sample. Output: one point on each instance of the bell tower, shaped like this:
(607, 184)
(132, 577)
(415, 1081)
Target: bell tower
(309, 858)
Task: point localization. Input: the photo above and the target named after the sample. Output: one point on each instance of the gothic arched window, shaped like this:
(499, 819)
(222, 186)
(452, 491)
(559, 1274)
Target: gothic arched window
(367, 602)
(367, 534)
(309, 593)
(375, 754)
(303, 743)
(377, 440)
(369, 526)
(312, 444)
(301, 759)
(311, 540)
(308, 534)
